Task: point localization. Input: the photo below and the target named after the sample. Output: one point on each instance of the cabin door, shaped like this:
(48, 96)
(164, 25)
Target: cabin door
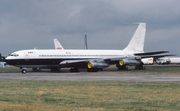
(26, 56)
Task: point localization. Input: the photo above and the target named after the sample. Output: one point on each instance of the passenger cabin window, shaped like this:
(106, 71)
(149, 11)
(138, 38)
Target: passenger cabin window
(30, 52)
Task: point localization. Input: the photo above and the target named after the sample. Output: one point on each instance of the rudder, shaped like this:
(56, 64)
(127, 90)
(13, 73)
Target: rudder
(137, 42)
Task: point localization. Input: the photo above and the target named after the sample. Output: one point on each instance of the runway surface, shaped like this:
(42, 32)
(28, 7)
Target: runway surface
(90, 77)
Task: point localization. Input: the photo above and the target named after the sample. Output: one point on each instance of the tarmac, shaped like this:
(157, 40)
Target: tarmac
(90, 77)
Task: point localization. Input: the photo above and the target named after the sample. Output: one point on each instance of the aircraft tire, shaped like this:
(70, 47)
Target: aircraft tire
(92, 70)
(55, 69)
(122, 68)
(139, 67)
(36, 69)
(74, 70)
(24, 71)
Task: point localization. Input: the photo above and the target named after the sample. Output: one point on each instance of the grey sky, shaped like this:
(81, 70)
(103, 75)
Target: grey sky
(26, 24)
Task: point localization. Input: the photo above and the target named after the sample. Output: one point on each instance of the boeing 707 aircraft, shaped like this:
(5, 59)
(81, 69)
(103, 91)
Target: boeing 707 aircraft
(92, 60)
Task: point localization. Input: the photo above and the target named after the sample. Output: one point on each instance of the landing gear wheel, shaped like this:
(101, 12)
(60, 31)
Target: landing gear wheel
(24, 71)
(122, 68)
(74, 70)
(93, 70)
(36, 69)
(139, 67)
(55, 69)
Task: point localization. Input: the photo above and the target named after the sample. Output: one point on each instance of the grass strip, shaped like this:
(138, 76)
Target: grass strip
(86, 96)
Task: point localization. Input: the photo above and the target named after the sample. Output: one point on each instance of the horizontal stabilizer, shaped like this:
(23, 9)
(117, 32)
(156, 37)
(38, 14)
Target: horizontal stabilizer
(150, 53)
(157, 56)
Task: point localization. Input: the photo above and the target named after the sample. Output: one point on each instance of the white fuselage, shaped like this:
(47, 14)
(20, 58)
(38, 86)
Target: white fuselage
(53, 58)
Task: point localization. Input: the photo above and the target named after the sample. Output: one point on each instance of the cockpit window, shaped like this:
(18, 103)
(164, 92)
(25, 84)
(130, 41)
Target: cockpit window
(14, 54)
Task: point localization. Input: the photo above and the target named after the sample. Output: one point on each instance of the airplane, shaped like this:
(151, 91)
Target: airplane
(92, 60)
(57, 45)
(2, 62)
(148, 61)
(168, 60)
(1, 58)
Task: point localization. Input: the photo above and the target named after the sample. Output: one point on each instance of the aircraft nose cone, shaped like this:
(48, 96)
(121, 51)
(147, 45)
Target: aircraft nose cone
(6, 59)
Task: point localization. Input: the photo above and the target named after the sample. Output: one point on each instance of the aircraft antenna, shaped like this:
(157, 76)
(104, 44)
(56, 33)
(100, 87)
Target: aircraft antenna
(85, 40)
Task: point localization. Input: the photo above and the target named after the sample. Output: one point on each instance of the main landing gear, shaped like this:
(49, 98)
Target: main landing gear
(74, 70)
(55, 69)
(139, 67)
(94, 70)
(88, 70)
(36, 69)
(124, 67)
(24, 70)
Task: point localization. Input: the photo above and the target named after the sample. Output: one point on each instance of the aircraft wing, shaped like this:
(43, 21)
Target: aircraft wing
(150, 53)
(108, 60)
(113, 59)
(73, 61)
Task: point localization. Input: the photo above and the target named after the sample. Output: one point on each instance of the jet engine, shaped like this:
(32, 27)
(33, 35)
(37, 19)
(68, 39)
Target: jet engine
(129, 62)
(92, 64)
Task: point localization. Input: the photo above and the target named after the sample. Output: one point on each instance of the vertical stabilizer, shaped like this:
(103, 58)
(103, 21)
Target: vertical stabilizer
(57, 45)
(137, 42)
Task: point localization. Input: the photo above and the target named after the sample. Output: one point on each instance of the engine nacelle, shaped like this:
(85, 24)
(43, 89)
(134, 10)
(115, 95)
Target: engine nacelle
(93, 64)
(129, 62)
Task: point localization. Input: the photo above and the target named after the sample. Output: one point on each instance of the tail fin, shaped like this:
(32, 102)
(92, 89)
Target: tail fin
(137, 42)
(57, 45)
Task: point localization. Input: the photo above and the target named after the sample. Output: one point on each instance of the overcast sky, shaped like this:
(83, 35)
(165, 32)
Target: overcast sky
(26, 24)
